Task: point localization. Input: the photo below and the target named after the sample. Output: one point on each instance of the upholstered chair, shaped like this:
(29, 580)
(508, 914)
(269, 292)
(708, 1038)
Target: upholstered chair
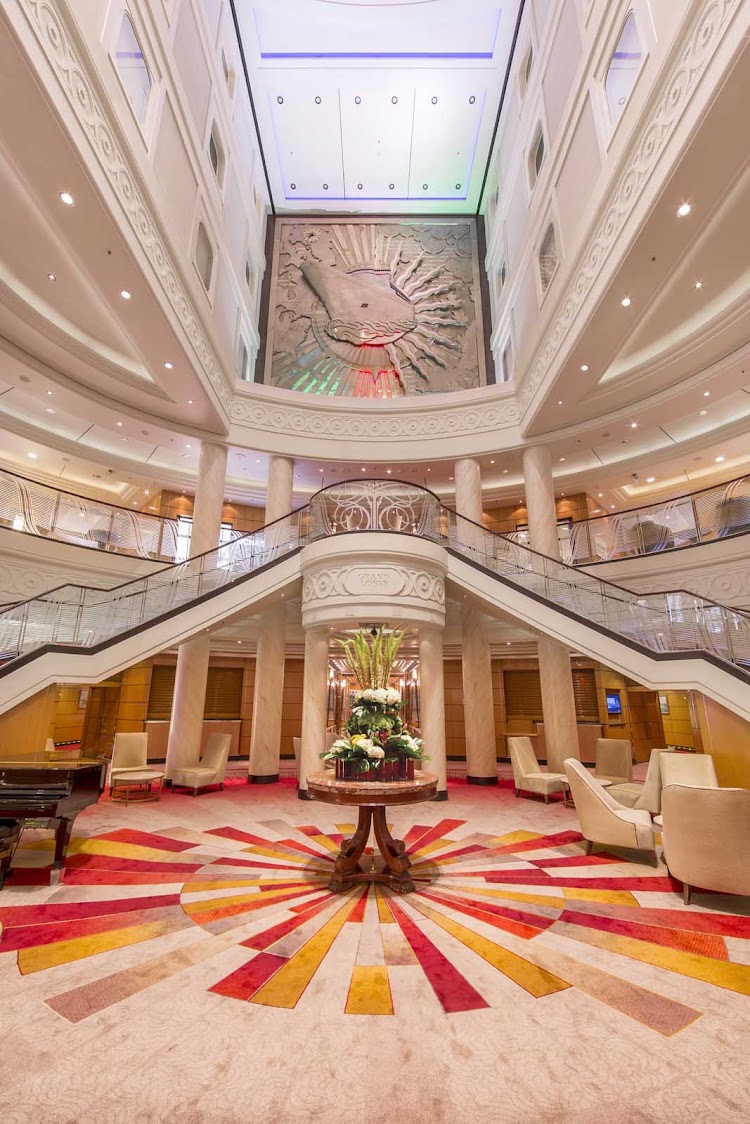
(211, 768)
(602, 819)
(706, 837)
(688, 768)
(644, 795)
(129, 754)
(614, 760)
(527, 775)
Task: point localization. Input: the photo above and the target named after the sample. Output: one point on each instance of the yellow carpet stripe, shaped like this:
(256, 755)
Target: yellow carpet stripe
(533, 979)
(286, 986)
(720, 973)
(612, 897)
(369, 991)
(77, 948)
(385, 916)
(235, 884)
(513, 837)
(207, 904)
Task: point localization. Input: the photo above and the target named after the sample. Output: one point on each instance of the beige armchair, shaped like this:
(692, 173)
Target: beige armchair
(602, 819)
(645, 795)
(528, 777)
(129, 755)
(688, 768)
(210, 769)
(614, 760)
(706, 837)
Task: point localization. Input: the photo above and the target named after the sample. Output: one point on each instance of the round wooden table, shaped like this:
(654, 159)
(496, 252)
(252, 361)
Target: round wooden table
(372, 798)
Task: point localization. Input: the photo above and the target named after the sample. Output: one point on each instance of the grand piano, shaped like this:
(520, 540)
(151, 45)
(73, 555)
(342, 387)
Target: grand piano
(40, 789)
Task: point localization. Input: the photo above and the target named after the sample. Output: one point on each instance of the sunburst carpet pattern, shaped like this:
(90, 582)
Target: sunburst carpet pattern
(241, 916)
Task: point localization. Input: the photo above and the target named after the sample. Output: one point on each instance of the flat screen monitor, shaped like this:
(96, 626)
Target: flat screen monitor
(614, 703)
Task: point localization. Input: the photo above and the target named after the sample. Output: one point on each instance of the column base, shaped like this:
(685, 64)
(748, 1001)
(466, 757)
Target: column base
(482, 780)
(303, 794)
(441, 795)
(262, 778)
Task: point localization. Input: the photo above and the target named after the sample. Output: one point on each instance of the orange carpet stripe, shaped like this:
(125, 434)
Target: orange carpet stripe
(369, 991)
(203, 912)
(732, 977)
(533, 979)
(287, 986)
(62, 952)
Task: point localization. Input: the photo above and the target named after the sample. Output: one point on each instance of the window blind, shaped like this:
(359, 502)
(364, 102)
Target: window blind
(223, 693)
(523, 694)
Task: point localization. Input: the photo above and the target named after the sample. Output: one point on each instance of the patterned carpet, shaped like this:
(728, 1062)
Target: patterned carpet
(514, 942)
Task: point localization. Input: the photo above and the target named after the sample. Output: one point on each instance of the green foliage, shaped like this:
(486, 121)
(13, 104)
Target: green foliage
(370, 657)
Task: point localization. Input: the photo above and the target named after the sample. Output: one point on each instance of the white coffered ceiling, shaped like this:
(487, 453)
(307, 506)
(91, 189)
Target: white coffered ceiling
(380, 106)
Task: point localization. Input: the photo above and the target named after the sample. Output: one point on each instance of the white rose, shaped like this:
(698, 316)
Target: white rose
(366, 744)
(380, 694)
(393, 696)
(341, 743)
(376, 752)
(368, 694)
(411, 744)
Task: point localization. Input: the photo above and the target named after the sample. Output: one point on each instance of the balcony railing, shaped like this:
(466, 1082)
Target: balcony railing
(706, 516)
(671, 622)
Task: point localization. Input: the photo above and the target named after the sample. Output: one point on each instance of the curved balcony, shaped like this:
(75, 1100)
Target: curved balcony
(706, 516)
(674, 623)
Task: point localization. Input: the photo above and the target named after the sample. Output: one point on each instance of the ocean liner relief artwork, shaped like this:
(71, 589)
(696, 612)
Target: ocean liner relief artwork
(375, 309)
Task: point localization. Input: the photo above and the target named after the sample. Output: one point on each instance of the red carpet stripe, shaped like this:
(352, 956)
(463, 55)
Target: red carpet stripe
(657, 884)
(356, 917)
(524, 925)
(268, 937)
(445, 827)
(703, 944)
(31, 936)
(243, 983)
(113, 862)
(74, 911)
(146, 839)
(452, 989)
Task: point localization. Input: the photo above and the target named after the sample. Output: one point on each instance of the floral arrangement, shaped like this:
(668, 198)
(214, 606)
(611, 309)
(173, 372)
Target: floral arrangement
(378, 746)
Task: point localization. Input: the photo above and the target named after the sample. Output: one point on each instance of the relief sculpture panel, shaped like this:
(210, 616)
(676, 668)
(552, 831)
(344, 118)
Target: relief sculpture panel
(375, 309)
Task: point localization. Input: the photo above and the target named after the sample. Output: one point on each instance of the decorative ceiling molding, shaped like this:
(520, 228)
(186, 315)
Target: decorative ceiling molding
(707, 32)
(357, 424)
(80, 89)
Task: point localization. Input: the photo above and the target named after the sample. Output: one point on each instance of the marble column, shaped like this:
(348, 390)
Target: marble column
(314, 705)
(268, 697)
(188, 703)
(476, 663)
(479, 711)
(558, 701)
(432, 703)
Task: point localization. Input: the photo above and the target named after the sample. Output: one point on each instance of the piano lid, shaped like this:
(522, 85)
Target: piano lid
(44, 764)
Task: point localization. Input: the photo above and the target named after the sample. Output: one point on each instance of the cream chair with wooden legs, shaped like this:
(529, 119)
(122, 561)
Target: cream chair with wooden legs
(528, 777)
(210, 769)
(614, 760)
(706, 837)
(688, 768)
(602, 819)
(645, 795)
(129, 755)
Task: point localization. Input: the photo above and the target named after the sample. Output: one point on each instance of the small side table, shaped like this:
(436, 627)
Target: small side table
(140, 780)
(372, 798)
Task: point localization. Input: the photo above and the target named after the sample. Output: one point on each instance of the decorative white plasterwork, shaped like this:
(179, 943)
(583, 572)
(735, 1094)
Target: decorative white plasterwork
(362, 581)
(278, 413)
(707, 32)
(83, 99)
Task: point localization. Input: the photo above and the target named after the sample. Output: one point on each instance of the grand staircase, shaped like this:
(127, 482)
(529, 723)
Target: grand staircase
(83, 634)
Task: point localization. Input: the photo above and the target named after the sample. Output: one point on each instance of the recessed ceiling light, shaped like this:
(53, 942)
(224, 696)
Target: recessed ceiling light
(51, 277)
(584, 366)
(600, 495)
(562, 494)
(650, 479)
(683, 209)
(169, 366)
(559, 401)
(190, 401)
(706, 393)
(125, 294)
(50, 392)
(634, 425)
(625, 302)
(120, 424)
(33, 456)
(187, 446)
(561, 459)
(66, 198)
(321, 470)
(719, 459)
(612, 506)
(450, 477)
(50, 410)
(429, 470)
(146, 492)
(492, 462)
(388, 471)
(699, 284)
(702, 413)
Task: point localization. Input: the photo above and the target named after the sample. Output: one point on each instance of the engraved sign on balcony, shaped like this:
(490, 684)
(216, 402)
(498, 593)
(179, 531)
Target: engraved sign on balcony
(383, 581)
(375, 309)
